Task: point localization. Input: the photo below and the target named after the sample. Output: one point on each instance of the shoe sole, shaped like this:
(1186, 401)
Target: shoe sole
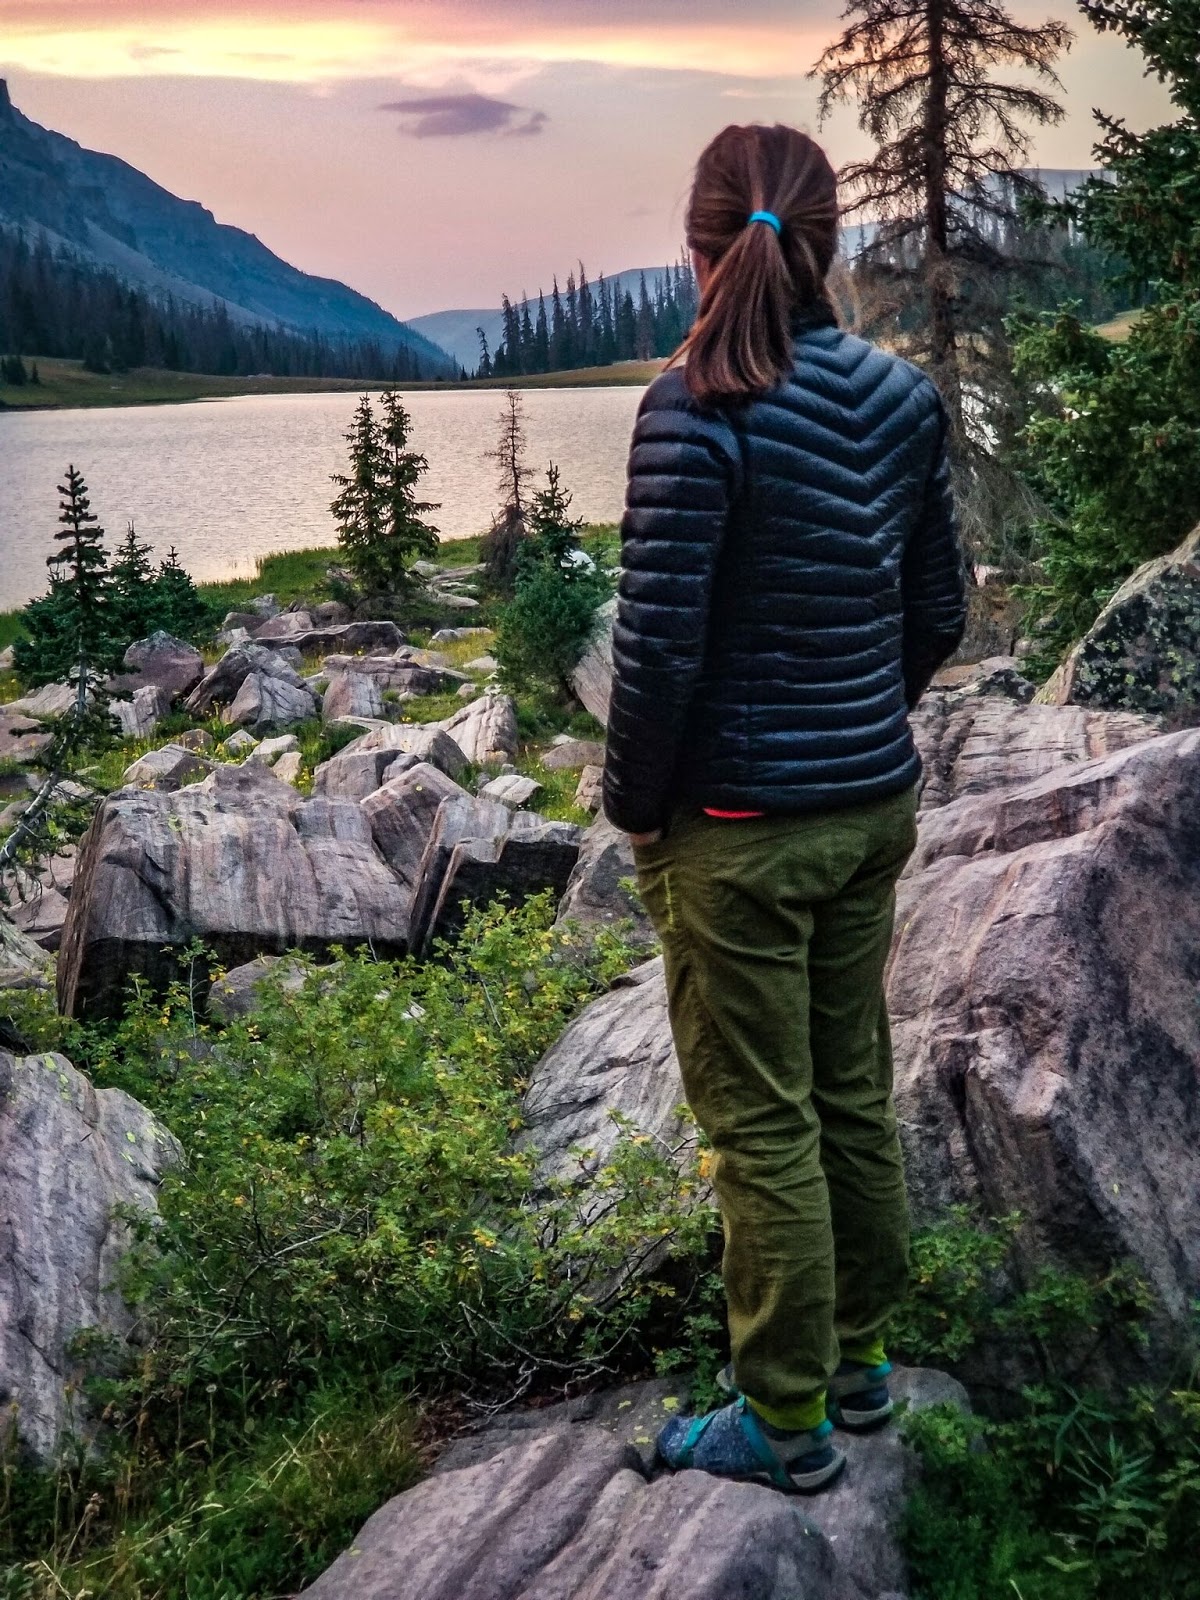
(860, 1421)
(807, 1482)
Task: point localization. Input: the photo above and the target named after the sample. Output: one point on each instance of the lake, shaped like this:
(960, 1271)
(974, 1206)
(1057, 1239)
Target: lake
(229, 481)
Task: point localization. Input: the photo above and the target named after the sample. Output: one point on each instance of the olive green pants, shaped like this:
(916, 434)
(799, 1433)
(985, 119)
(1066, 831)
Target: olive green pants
(775, 935)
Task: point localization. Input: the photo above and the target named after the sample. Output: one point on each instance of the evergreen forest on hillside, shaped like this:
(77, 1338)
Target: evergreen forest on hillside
(589, 325)
(53, 303)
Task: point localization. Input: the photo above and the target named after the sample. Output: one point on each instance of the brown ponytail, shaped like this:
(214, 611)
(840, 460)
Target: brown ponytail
(741, 341)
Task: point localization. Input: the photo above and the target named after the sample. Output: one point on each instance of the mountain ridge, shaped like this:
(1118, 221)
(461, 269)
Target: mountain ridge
(114, 216)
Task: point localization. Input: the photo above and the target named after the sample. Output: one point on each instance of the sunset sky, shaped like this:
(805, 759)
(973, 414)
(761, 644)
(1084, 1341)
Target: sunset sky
(433, 155)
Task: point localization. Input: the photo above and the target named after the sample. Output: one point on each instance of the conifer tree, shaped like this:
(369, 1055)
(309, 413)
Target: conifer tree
(407, 536)
(135, 612)
(178, 606)
(1146, 208)
(509, 528)
(358, 506)
(951, 143)
(70, 633)
(379, 518)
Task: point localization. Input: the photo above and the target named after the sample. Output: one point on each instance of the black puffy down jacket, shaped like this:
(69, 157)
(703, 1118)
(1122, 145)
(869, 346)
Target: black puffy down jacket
(790, 582)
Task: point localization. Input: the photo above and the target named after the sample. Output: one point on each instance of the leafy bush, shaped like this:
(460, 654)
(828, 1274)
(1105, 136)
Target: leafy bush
(352, 1223)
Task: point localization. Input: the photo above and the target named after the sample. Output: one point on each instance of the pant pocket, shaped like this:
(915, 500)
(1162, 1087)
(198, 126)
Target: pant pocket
(654, 886)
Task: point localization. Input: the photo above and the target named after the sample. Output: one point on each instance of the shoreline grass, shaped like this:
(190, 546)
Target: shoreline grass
(65, 385)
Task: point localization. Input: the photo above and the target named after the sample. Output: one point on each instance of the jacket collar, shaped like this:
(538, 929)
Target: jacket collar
(816, 314)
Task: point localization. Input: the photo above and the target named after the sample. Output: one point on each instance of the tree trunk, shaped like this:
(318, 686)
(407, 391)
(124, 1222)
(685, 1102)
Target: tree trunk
(938, 268)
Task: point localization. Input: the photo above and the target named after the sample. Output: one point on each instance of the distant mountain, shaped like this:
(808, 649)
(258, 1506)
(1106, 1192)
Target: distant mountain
(458, 331)
(113, 216)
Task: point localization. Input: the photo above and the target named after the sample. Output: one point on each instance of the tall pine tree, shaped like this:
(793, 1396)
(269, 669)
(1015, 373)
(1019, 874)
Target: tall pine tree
(380, 521)
(951, 142)
(71, 634)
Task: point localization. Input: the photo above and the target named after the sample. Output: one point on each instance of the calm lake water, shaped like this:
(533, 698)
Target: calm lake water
(228, 481)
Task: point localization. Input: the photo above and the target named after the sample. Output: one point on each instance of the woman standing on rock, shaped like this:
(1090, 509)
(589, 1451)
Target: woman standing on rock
(790, 583)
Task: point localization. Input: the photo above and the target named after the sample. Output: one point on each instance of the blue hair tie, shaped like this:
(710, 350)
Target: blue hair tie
(768, 217)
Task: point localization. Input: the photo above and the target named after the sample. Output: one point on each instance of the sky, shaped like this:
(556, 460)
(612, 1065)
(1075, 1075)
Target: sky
(433, 155)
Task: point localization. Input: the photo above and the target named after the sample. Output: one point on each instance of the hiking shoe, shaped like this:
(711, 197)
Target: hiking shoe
(858, 1398)
(725, 1380)
(734, 1443)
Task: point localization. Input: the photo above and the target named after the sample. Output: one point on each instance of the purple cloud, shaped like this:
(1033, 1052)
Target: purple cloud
(450, 116)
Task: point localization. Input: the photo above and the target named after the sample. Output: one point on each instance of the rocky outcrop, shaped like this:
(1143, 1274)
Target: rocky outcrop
(240, 861)
(592, 677)
(977, 739)
(138, 716)
(69, 1155)
(616, 1056)
(266, 701)
(348, 638)
(21, 738)
(1047, 1037)
(572, 755)
(558, 1506)
(23, 964)
(220, 685)
(402, 813)
(169, 767)
(1046, 1031)
(354, 774)
(602, 890)
(162, 660)
(1142, 653)
(480, 849)
(485, 730)
(51, 700)
(426, 741)
(351, 694)
(287, 626)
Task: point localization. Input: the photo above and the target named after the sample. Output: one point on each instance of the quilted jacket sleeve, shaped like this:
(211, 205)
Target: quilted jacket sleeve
(684, 470)
(933, 580)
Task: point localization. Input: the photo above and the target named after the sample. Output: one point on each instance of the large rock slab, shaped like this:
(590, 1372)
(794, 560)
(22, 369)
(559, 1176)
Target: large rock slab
(567, 1515)
(603, 887)
(977, 739)
(23, 964)
(592, 676)
(402, 813)
(138, 716)
(348, 638)
(428, 741)
(555, 1505)
(21, 738)
(617, 1056)
(220, 685)
(479, 850)
(354, 774)
(265, 701)
(485, 730)
(240, 861)
(408, 671)
(51, 700)
(1047, 1038)
(1142, 653)
(352, 694)
(69, 1155)
(172, 664)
